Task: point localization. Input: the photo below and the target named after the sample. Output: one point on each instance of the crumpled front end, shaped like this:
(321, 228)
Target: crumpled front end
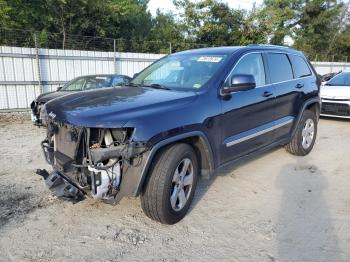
(103, 163)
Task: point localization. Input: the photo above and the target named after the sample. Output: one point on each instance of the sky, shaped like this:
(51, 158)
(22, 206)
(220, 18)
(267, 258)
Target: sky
(167, 5)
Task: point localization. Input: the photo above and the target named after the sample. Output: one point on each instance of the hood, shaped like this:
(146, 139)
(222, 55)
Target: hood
(43, 98)
(335, 92)
(114, 107)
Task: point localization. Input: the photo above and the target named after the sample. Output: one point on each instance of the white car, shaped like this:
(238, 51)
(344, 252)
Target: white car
(335, 95)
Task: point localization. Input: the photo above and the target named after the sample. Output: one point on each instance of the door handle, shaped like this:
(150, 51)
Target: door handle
(299, 85)
(267, 94)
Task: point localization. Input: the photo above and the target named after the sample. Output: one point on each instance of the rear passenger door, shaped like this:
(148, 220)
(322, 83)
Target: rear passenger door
(288, 91)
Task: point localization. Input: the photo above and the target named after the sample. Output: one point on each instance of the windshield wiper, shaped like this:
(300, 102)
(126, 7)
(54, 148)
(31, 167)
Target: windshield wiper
(131, 84)
(157, 86)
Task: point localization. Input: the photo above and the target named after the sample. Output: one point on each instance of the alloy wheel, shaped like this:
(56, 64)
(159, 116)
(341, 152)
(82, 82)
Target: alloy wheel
(181, 184)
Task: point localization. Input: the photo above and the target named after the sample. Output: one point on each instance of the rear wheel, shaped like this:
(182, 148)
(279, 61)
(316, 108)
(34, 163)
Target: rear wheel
(172, 181)
(305, 135)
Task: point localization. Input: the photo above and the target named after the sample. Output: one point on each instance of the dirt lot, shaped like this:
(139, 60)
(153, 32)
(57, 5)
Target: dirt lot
(275, 208)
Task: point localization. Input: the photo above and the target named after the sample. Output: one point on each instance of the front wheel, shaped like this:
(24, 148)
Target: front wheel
(169, 191)
(305, 135)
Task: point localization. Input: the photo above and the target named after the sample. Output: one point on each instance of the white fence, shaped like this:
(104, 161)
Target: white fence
(330, 67)
(27, 72)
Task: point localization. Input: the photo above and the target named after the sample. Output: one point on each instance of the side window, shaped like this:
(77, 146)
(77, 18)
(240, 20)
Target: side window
(301, 69)
(280, 68)
(75, 85)
(127, 80)
(97, 82)
(251, 64)
(118, 80)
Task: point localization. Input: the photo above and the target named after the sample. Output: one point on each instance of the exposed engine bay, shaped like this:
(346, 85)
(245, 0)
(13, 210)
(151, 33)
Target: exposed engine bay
(89, 161)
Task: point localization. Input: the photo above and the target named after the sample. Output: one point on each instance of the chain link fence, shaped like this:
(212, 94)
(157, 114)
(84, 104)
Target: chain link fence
(24, 38)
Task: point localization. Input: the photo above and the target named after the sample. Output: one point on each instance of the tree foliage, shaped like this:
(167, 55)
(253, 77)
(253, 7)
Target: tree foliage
(318, 27)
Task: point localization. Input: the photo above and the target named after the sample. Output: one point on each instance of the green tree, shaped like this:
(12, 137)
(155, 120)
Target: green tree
(311, 24)
(57, 20)
(166, 33)
(319, 22)
(279, 17)
(212, 22)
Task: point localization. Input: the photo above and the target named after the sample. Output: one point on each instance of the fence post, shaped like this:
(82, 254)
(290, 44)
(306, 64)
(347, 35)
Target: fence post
(38, 64)
(170, 48)
(114, 56)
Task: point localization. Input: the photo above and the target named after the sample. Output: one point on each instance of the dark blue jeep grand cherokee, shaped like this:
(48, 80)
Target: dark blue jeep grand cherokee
(186, 115)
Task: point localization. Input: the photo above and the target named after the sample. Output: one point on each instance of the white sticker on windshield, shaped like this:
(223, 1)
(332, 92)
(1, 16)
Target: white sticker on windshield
(210, 59)
(101, 77)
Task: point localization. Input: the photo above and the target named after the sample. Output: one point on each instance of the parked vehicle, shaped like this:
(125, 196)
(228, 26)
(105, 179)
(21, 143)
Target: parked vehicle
(329, 76)
(77, 84)
(335, 95)
(187, 115)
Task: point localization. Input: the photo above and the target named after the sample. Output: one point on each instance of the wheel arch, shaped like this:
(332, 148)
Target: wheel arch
(313, 104)
(197, 140)
(314, 107)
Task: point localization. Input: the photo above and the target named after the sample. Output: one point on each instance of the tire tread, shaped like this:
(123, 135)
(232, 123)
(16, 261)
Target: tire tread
(152, 196)
(294, 146)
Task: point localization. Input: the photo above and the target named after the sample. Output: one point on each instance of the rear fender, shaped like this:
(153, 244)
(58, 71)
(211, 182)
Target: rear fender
(309, 103)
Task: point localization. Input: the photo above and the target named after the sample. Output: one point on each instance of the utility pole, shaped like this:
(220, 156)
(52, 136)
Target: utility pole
(114, 56)
(38, 64)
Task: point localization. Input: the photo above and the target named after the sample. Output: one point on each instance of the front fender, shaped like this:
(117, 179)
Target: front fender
(135, 177)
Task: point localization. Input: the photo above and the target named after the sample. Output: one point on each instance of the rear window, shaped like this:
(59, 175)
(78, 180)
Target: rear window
(280, 67)
(301, 69)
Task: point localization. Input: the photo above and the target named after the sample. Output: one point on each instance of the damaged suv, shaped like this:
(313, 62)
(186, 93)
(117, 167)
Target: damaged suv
(184, 116)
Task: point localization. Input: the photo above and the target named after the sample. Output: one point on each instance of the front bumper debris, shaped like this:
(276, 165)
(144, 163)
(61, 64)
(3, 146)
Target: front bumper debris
(61, 186)
(104, 164)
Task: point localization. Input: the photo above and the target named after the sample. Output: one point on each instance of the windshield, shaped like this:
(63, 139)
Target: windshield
(343, 79)
(181, 71)
(88, 82)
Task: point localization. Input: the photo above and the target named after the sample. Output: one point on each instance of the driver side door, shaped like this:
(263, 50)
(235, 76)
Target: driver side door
(247, 116)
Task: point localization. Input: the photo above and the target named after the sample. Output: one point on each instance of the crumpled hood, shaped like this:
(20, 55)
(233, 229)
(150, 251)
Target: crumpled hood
(340, 92)
(114, 107)
(43, 98)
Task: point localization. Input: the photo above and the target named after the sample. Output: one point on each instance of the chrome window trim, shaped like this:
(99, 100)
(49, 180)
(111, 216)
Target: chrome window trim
(267, 52)
(239, 60)
(307, 64)
(245, 138)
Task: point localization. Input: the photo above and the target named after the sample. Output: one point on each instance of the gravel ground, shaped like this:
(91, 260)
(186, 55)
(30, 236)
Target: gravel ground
(277, 207)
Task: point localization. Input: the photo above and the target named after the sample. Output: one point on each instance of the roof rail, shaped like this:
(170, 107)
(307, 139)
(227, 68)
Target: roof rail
(269, 45)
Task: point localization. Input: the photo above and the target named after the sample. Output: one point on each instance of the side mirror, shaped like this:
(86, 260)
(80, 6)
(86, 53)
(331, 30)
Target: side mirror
(59, 88)
(240, 82)
(135, 75)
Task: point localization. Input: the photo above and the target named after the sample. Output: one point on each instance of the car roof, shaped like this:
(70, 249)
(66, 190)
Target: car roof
(227, 50)
(102, 75)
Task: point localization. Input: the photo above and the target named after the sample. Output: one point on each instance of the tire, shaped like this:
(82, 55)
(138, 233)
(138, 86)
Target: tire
(163, 185)
(299, 145)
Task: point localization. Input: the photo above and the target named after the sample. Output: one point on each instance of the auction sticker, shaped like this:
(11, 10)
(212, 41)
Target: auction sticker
(210, 59)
